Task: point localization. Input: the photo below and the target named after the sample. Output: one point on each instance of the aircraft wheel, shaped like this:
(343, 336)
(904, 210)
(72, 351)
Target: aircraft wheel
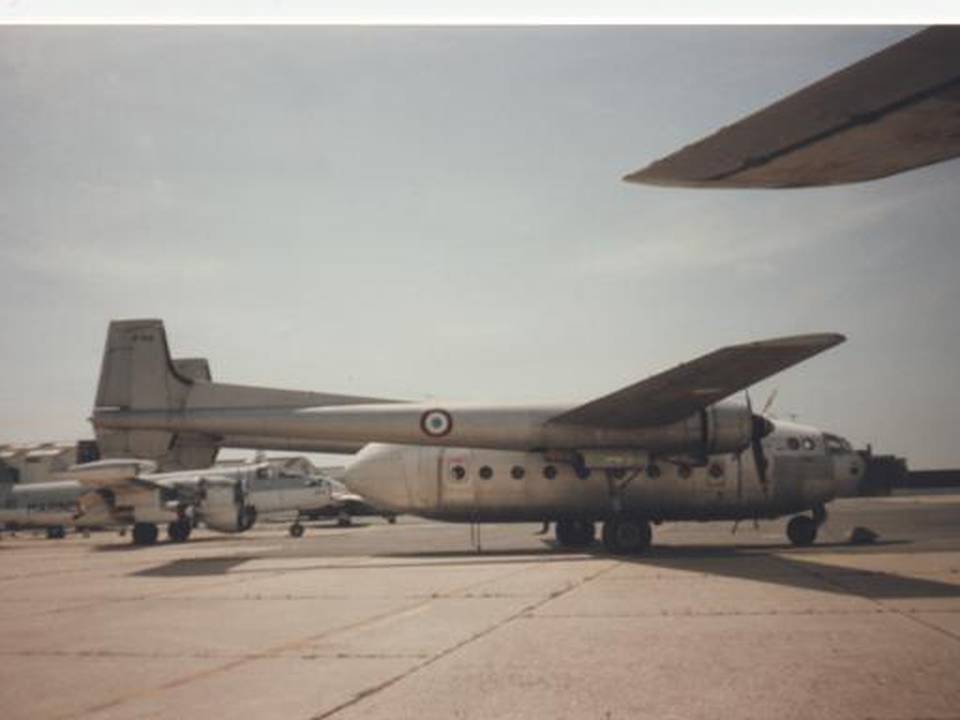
(296, 530)
(802, 530)
(392, 519)
(626, 535)
(179, 531)
(574, 533)
(144, 533)
(344, 519)
(56, 532)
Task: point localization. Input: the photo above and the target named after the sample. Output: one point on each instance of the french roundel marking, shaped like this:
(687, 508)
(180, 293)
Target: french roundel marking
(436, 423)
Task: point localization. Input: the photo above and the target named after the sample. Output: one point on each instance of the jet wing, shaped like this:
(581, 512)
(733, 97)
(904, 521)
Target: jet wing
(680, 392)
(896, 110)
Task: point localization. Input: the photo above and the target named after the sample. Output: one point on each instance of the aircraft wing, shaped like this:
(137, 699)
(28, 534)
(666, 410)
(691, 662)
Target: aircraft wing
(893, 111)
(112, 474)
(680, 392)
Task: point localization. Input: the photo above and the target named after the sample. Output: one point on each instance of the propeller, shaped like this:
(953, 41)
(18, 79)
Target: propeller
(760, 428)
(769, 403)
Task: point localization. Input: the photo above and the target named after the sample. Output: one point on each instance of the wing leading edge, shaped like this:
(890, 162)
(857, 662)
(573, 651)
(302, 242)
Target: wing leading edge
(893, 111)
(681, 391)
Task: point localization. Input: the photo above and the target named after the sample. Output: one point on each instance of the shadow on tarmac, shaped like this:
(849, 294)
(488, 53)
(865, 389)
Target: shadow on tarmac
(765, 564)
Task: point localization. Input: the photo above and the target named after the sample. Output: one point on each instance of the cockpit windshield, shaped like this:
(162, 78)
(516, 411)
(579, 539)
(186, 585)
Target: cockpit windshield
(836, 445)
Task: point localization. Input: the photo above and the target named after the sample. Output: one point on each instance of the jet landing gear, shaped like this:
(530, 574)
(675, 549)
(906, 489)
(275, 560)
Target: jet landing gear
(625, 535)
(144, 533)
(572, 533)
(296, 529)
(802, 529)
(178, 531)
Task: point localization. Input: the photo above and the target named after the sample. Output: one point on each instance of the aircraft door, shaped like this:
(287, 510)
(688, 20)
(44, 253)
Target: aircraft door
(457, 485)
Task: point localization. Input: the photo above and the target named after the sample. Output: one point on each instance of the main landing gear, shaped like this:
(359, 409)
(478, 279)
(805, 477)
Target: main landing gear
(622, 534)
(144, 533)
(573, 533)
(296, 529)
(802, 529)
(626, 535)
(178, 531)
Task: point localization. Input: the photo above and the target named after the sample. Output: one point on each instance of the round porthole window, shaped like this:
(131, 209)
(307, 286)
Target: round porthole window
(549, 472)
(684, 472)
(793, 443)
(517, 472)
(653, 471)
(458, 472)
(486, 472)
(716, 470)
(808, 444)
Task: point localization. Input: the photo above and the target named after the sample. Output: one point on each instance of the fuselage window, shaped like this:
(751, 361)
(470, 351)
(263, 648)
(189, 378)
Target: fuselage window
(793, 443)
(653, 471)
(716, 470)
(549, 472)
(684, 472)
(517, 472)
(486, 472)
(458, 472)
(808, 444)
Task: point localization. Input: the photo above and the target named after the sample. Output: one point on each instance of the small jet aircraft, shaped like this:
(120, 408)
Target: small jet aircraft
(120, 492)
(669, 447)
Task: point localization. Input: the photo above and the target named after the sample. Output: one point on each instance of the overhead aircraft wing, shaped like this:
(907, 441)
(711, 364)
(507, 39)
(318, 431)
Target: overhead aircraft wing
(896, 110)
(680, 392)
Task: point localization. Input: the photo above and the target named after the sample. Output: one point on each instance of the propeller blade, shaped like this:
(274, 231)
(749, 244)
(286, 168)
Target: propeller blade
(769, 403)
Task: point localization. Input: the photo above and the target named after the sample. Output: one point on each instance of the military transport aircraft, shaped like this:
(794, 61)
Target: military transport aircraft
(121, 492)
(665, 448)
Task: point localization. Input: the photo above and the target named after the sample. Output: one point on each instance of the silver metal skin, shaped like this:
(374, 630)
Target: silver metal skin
(522, 427)
(803, 473)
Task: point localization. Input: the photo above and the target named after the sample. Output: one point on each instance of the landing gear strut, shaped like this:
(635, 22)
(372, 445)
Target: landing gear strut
(344, 519)
(574, 533)
(178, 531)
(144, 533)
(625, 535)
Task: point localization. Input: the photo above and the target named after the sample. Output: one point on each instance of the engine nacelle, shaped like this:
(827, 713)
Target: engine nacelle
(719, 428)
(224, 507)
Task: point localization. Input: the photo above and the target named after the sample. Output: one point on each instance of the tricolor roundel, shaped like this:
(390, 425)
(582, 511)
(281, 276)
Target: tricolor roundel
(436, 423)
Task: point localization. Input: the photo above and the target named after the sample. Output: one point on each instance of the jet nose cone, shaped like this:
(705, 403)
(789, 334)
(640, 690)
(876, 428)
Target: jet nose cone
(378, 475)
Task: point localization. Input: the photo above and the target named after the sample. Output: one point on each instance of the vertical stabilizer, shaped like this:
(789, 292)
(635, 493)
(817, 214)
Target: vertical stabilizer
(138, 373)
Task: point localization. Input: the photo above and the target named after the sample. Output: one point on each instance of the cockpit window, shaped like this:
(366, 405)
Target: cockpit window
(836, 445)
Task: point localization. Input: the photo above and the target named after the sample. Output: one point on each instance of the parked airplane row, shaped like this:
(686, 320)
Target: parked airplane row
(132, 493)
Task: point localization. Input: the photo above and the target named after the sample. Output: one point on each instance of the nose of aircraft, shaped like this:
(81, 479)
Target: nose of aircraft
(378, 474)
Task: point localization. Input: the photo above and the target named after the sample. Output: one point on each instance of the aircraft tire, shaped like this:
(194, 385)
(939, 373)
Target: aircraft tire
(344, 519)
(144, 533)
(179, 531)
(575, 533)
(56, 532)
(626, 535)
(296, 530)
(802, 531)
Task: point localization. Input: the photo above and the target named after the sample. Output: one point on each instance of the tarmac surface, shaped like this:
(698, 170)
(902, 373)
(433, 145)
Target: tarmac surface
(410, 621)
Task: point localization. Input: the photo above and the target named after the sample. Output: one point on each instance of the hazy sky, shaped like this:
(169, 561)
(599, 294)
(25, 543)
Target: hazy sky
(438, 213)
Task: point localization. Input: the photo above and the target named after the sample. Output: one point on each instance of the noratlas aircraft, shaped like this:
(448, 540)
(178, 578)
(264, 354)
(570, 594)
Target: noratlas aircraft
(671, 447)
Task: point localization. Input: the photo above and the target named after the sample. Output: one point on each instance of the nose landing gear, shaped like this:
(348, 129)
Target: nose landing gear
(179, 530)
(802, 529)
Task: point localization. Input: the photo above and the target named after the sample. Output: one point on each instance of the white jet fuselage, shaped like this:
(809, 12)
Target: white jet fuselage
(806, 468)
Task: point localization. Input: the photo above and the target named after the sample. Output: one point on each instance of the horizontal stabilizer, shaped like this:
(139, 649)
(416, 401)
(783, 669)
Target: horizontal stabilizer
(680, 392)
(896, 110)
